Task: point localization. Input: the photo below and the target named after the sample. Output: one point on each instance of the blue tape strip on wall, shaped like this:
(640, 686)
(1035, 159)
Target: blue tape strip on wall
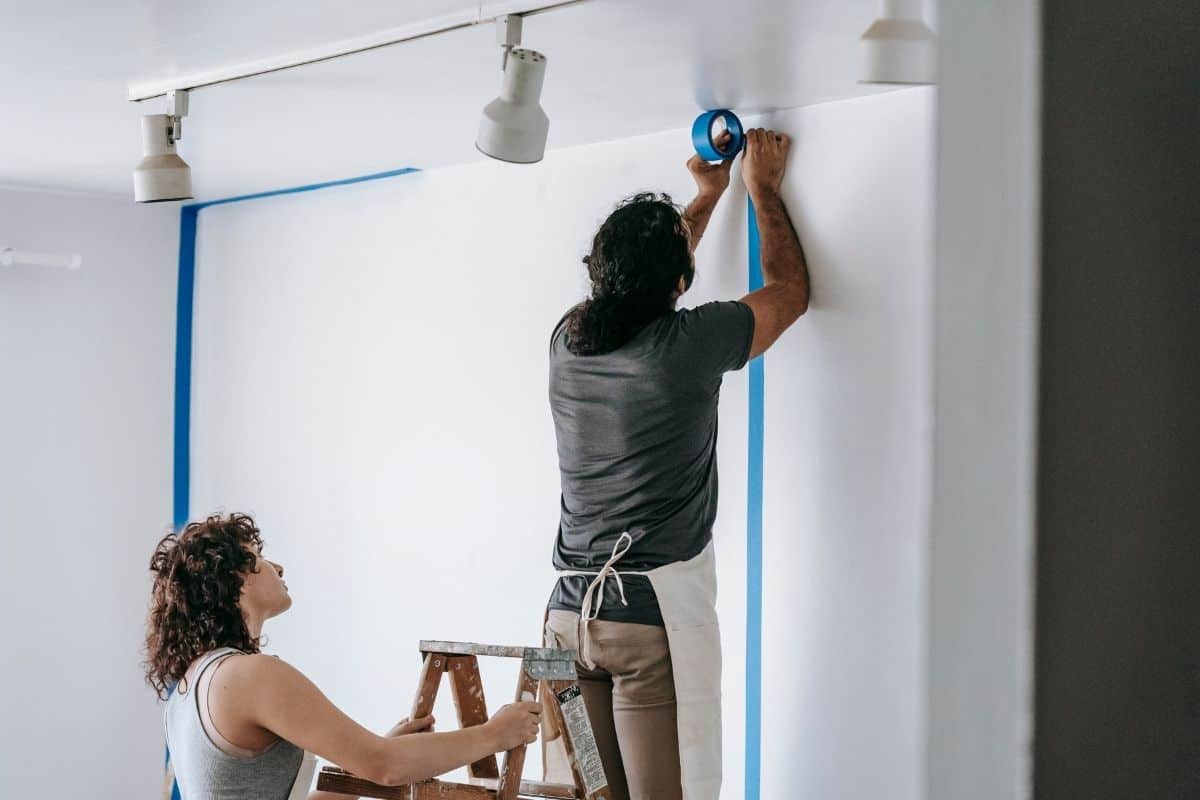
(754, 535)
(705, 131)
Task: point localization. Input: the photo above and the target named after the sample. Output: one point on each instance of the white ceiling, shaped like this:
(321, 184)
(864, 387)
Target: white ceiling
(617, 68)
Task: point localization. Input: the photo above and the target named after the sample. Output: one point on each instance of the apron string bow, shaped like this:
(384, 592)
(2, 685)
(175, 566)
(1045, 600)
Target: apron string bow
(623, 545)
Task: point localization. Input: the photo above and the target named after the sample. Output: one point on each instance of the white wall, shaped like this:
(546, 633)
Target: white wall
(847, 460)
(370, 381)
(86, 365)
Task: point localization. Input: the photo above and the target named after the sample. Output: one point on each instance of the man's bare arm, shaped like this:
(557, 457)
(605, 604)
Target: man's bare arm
(711, 182)
(697, 214)
(785, 292)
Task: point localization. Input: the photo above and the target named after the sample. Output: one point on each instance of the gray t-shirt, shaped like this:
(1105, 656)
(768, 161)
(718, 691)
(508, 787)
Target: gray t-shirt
(637, 449)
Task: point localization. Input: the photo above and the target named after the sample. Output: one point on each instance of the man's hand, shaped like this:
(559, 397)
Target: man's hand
(764, 161)
(711, 179)
(407, 726)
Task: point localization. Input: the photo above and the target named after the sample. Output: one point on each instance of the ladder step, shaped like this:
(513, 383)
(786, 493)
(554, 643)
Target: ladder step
(503, 651)
(332, 779)
(555, 791)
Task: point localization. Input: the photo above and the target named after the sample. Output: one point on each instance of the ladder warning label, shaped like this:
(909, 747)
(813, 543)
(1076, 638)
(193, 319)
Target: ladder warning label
(587, 756)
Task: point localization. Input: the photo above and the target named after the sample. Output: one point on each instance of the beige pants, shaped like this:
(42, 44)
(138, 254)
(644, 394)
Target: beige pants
(629, 691)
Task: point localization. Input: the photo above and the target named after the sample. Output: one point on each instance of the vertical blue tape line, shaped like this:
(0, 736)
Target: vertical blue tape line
(188, 218)
(754, 539)
(183, 362)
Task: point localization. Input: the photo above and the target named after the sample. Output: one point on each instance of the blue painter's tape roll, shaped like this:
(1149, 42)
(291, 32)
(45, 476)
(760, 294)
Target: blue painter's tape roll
(702, 135)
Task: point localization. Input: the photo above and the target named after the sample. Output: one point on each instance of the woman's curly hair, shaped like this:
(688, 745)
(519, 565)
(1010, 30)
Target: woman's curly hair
(198, 576)
(637, 259)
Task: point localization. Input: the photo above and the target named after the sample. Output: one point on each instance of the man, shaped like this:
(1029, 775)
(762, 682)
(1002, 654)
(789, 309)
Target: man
(634, 385)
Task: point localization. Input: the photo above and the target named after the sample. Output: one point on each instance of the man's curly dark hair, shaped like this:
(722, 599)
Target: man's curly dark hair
(638, 256)
(198, 576)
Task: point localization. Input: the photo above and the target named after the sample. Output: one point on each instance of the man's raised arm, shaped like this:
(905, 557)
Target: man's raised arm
(784, 295)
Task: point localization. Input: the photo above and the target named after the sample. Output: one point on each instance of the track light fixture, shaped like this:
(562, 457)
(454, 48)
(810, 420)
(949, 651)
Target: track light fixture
(899, 47)
(162, 175)
(514, 126)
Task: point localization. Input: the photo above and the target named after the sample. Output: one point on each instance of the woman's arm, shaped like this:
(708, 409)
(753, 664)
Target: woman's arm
(275, 696)
(401, 728)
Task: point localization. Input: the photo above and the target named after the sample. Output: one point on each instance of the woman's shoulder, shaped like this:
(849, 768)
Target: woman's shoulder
(242, 677)
(236, 667)
(255, 665)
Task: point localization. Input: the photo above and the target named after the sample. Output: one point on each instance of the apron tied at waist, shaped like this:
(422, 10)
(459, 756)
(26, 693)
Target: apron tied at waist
(595, 591)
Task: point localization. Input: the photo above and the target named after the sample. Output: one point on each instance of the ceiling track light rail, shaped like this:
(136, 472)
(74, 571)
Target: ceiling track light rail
(481, 14)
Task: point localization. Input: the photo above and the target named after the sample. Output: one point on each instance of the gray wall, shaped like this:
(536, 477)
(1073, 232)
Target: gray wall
(1118, 650)
(86, 365)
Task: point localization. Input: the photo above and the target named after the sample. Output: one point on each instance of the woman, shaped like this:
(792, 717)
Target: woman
(634, 386)
(238, 722)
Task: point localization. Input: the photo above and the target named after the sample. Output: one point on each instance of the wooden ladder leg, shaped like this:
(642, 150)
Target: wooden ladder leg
(571, 719)
(467, 689)
(427, 685)
(514, 760)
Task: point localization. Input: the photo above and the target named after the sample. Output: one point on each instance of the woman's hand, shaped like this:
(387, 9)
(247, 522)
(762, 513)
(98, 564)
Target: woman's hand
(711, 179)
(515, 724)
(407, 726)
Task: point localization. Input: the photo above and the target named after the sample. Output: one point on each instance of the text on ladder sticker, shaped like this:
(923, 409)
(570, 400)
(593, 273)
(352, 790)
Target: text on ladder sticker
(587, 755)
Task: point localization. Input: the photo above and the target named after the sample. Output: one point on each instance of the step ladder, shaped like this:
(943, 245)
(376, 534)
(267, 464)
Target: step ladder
(543, 670)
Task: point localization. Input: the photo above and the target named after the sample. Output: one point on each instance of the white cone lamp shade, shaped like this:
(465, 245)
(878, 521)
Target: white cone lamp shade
(514, 126)
(162, 175)
(899, 47)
